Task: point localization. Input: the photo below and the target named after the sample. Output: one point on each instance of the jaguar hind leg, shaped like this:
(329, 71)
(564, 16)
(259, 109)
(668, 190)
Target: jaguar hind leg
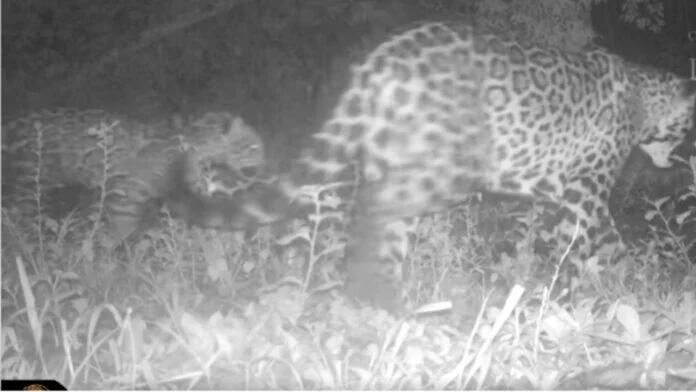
(375, 258)
(375, 254)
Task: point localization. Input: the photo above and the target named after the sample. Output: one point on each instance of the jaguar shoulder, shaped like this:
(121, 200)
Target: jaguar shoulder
(439, 111)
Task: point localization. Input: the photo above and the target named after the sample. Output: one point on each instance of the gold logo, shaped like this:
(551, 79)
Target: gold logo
(35, 387)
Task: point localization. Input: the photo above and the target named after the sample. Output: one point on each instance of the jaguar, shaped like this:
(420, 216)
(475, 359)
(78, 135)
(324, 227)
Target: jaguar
(58, 153)
(441, 110)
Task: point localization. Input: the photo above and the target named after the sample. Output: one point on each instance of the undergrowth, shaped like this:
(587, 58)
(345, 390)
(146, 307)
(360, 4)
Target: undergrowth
(193, 309)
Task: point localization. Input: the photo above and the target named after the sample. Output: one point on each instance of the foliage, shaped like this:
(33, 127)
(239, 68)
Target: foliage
(562, 23)
(673, 221)
(645, 14)
(191, 309)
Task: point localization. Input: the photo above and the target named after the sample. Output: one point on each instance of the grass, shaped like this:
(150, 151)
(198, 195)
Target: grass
(192, 309)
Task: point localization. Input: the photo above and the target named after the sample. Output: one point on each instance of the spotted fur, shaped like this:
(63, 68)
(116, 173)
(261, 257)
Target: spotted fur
(439, 111)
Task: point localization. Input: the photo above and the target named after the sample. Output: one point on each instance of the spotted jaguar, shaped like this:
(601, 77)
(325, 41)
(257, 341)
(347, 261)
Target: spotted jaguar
(441, 110)
(53, 153)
